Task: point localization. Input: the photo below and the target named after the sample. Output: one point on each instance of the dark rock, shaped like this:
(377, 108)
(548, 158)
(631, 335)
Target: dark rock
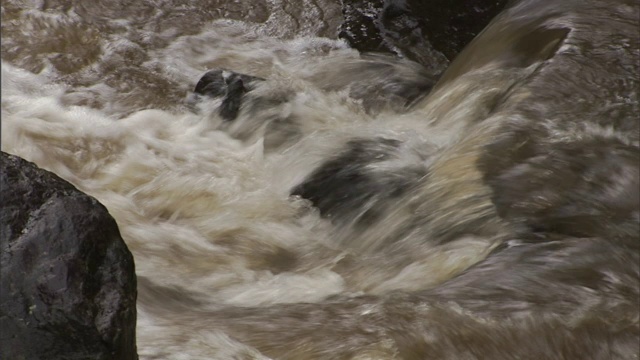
(346, 188)
(428, 32)
(451, 25)
(230, 86)
(361, 27)
(68, 282)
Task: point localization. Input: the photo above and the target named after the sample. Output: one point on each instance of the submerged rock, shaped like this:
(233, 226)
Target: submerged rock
(348, 188)
(68, 286)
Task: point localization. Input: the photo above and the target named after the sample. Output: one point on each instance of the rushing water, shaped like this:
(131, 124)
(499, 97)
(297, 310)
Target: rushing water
(229, 264)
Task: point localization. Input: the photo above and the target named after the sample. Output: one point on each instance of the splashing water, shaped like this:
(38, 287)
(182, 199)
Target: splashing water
(100, 93)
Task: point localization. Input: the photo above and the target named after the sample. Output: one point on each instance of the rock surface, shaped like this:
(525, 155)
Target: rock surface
(430, 32)
(68, 286)
(228, 85)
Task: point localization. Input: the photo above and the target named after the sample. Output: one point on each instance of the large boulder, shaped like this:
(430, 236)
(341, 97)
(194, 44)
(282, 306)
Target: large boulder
(68, 286)
(430, 32)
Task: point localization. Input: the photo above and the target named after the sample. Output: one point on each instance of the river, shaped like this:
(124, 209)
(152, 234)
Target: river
(231, 265)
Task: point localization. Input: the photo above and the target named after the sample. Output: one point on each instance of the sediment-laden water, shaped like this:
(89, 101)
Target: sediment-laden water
(231, 265)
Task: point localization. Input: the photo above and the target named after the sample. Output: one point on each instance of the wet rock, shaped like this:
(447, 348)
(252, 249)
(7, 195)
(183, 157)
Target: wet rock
(68, 286)
(230, 86)
(429, 32)
(361, 27)
(347, 188)
(451, 25)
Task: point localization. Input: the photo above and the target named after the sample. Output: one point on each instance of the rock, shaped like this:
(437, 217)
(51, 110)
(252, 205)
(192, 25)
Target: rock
(451, 25)
(361, 27)
(67, 278)
(430, 32)
(350, 188)
(230, 86)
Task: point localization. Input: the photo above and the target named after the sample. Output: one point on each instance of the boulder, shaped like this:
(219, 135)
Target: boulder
(430, 32)
(68, 285)
(228, 85)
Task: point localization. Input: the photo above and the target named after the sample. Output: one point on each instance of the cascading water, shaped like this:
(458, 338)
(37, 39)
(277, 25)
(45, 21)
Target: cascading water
(344, 212)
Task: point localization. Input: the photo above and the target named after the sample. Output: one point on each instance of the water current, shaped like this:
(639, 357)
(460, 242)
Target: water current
(230, 265)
